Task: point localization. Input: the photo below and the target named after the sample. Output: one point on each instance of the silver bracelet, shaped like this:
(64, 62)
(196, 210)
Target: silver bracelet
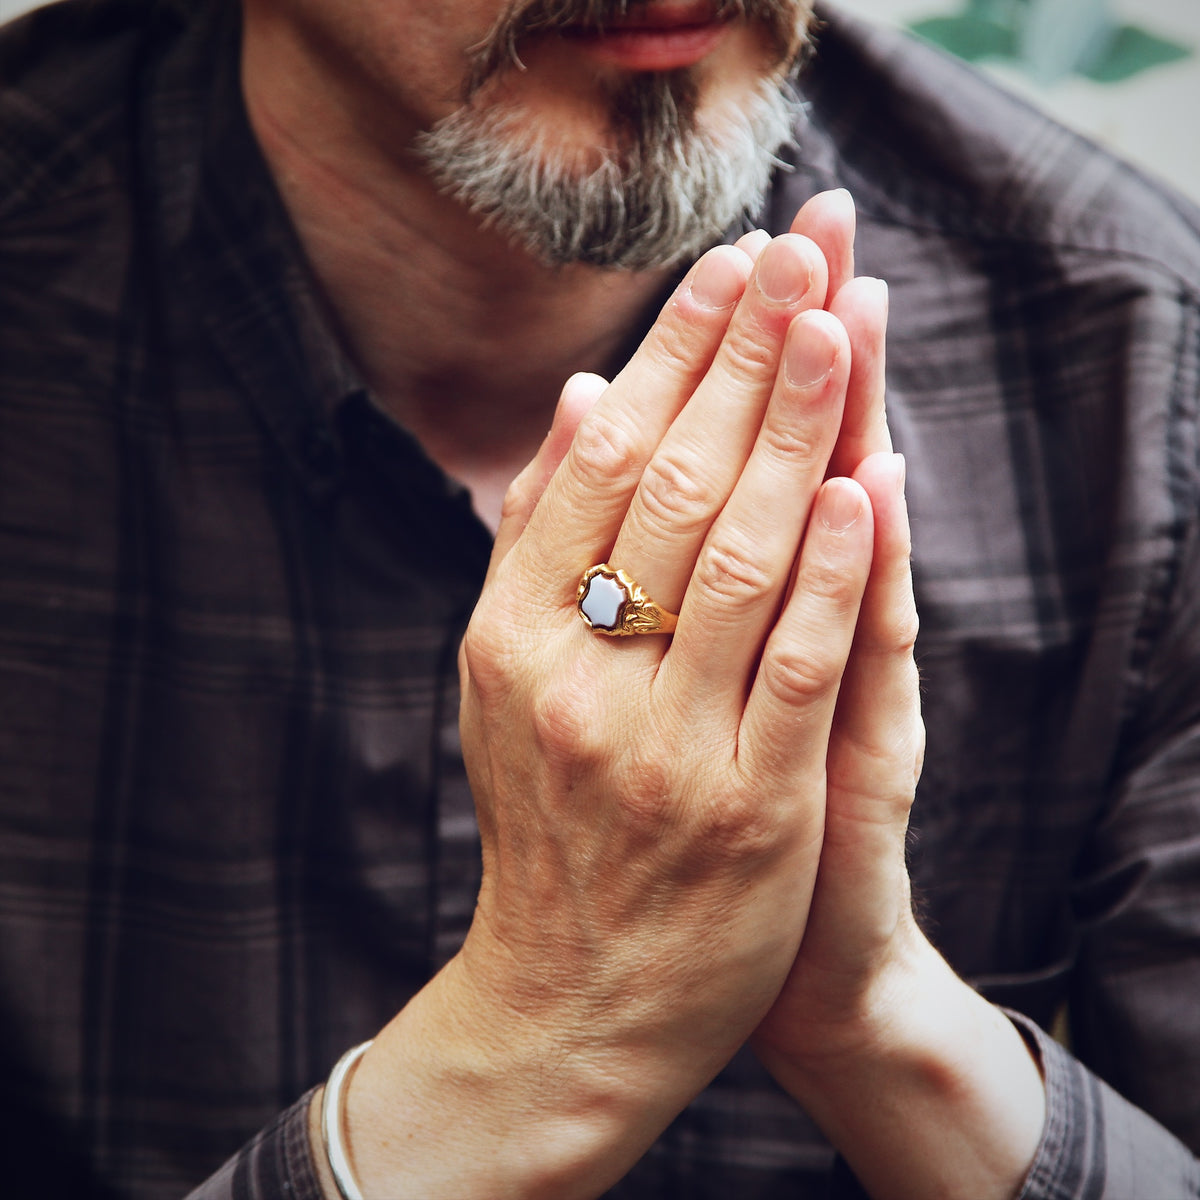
(332, 1117)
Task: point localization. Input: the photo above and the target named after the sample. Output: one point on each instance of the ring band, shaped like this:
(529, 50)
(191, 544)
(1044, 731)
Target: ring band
(612, 603)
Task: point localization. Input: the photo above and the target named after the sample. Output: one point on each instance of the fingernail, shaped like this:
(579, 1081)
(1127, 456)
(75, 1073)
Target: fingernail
(784, 274)
(754, 242)
(810, 351)
(716, 282)
(879, 287)
(843, 197)
(841, 505)
(901, 469)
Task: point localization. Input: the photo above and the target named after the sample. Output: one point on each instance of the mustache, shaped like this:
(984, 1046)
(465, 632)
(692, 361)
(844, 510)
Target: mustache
(785, 21)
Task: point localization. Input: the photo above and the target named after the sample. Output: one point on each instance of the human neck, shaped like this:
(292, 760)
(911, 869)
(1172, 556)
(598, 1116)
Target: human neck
(462, 337)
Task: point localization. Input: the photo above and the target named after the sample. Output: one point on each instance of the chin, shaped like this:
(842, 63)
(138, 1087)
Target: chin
(663, 173)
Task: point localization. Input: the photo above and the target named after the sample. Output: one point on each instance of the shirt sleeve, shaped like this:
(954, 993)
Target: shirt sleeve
(1123, 1107)
(277, 1164)
(1095, 1144)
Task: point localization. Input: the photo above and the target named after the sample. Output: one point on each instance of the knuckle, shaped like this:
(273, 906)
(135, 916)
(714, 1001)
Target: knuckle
(564, 721)
(748, 354)
(796, 678)
(604, 451)
(730, 571)
(721, 818)
(673, 496)
(738, 825)
(671, 350)
(894, 633)
(881, 771)
(483, 661)
(904, 630)
(828, 582)
(887, 803)
(518, 497)
(649, 795)
(788, 442)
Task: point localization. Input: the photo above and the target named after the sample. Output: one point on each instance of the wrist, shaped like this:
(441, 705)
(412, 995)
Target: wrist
(832, 1014)
(926, 1089)
(460, 1098)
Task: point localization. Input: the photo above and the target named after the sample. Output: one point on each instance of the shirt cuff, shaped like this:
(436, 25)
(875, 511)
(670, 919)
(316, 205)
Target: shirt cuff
(1095, 1144)
(276, 1165)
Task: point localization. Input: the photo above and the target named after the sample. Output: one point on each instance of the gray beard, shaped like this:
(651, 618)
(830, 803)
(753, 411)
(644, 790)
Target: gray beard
(667, 188)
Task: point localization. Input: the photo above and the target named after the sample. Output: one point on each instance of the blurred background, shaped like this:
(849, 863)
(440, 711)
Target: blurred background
(1124, 72)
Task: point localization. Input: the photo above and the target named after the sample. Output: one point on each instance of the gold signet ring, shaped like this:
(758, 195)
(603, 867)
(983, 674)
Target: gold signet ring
(612, 603)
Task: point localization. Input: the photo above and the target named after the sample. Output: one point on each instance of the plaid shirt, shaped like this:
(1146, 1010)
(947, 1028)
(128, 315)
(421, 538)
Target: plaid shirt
(235, 831)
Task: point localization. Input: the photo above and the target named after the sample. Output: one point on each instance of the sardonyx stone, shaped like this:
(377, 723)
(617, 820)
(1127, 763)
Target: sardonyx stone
(602, 602)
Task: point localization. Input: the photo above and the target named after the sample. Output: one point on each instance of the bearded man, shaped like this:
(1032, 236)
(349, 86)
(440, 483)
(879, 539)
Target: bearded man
(399, 800)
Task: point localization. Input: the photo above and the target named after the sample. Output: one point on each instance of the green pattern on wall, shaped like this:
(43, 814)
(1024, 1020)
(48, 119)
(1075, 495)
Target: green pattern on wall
(1051, 38)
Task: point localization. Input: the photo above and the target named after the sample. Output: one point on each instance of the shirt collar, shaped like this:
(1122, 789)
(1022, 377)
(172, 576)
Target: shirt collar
(231, 242)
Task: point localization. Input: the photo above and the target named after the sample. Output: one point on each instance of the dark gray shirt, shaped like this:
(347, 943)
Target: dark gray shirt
(235, 833)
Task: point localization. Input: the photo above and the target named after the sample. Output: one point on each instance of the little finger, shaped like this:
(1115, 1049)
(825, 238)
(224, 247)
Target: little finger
(785, 727)
(878, 742)
(875, 752)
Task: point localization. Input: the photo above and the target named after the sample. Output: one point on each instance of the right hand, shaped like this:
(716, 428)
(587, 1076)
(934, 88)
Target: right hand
(651, 809)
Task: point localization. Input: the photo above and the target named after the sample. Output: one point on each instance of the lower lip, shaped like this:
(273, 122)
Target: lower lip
(650, 49)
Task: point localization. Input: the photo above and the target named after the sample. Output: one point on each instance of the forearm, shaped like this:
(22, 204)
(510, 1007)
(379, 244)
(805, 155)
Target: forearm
(937, 1096)
(454, 1100)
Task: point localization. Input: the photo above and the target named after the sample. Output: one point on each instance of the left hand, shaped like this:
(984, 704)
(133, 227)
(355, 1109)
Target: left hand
(861, 917)
(921, 1084)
